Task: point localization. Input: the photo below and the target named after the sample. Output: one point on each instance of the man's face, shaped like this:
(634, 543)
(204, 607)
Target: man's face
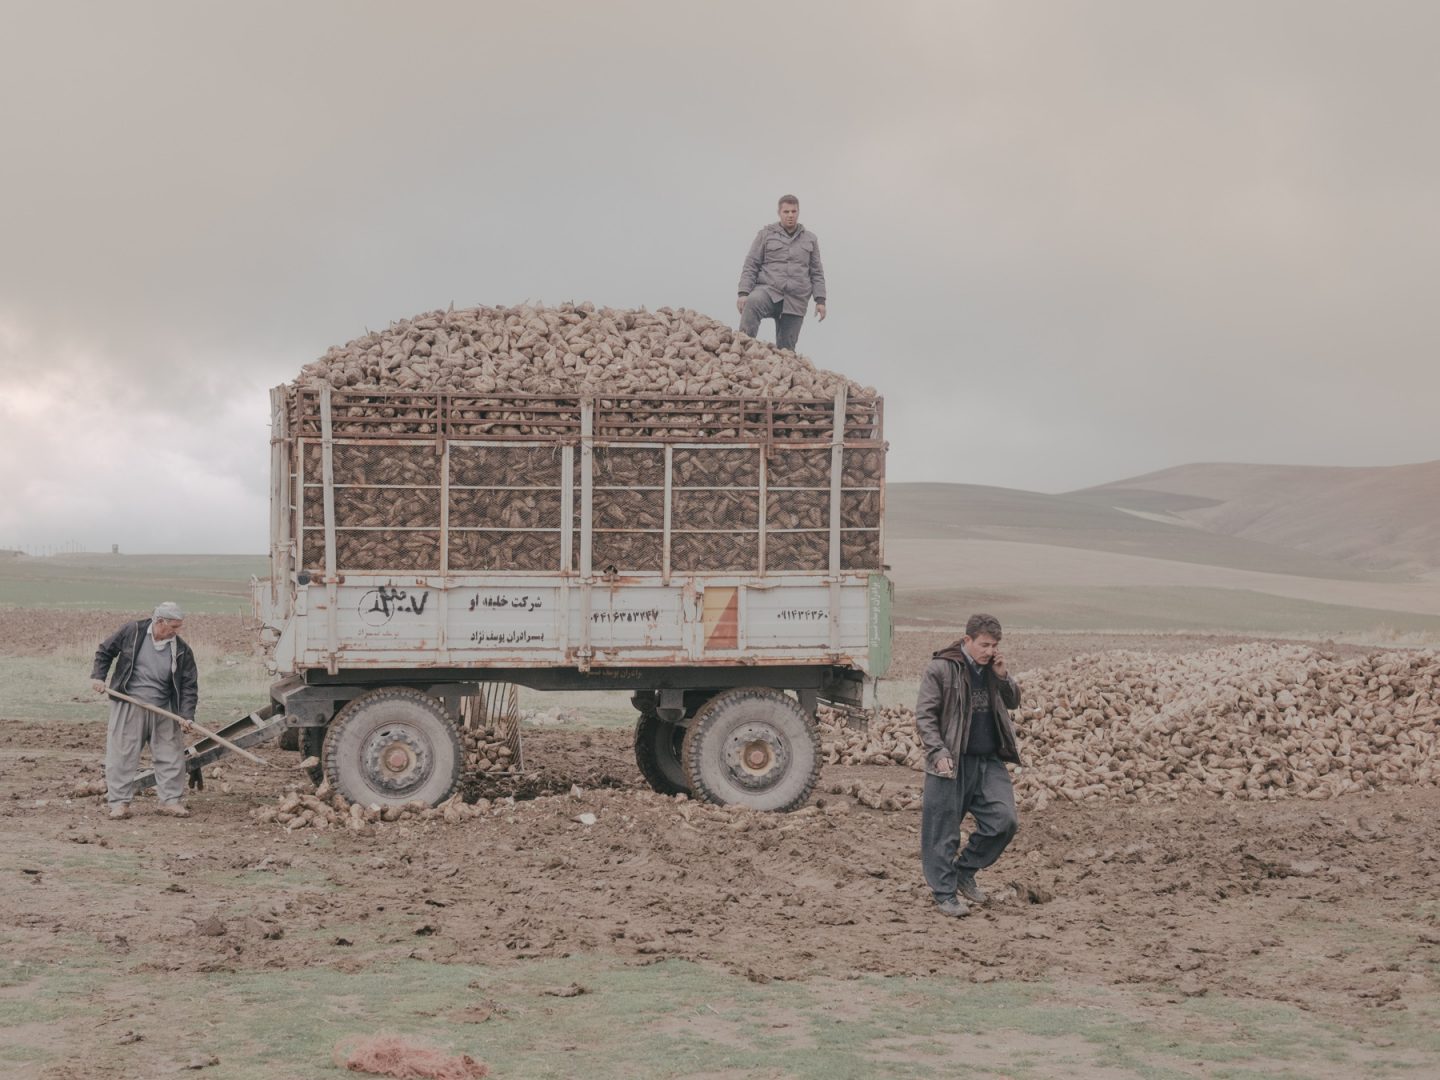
(789, 215)
(165, 629)
(982, 648)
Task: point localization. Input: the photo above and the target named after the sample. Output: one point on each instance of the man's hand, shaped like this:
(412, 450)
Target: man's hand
(98, 685)
(997, 664)
(944, 765)
(187, 726)
(740, 304)
(820, 312)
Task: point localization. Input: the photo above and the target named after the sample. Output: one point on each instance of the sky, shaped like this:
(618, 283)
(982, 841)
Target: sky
(1069, 242)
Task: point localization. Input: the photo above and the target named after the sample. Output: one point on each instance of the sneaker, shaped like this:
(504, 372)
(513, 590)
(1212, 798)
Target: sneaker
(967, 888)
(119, 810)
(953, 906)
(173, 809)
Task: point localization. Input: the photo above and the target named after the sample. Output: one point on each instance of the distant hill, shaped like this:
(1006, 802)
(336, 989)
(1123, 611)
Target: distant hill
(1086, 520)
(1380, 518)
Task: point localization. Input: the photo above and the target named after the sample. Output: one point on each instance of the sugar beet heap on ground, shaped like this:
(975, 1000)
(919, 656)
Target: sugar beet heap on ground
(1256, 721)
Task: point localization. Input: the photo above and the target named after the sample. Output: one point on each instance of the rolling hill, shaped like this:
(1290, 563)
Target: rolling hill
(975, 512)
(1137, 555)
(1380, 518)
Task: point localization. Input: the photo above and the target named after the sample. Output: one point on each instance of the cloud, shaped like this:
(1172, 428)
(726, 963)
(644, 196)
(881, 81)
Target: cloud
(98, 457)
(1094, 239)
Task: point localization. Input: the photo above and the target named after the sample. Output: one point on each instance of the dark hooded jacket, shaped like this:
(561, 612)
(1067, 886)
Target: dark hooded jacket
(120, 647)
(942, 710)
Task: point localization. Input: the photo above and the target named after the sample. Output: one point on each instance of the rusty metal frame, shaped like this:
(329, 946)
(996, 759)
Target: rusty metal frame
(837, 463)
(768, 424)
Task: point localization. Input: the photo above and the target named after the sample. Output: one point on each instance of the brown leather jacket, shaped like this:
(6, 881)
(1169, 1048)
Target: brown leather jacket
(942, 710)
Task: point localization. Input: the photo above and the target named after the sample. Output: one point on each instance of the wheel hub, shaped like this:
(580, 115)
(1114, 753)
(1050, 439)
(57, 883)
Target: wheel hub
(756, 756)
(396, 759)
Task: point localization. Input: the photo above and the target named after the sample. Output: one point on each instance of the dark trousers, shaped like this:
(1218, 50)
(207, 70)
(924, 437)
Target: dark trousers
(758, 305)
(982, 789)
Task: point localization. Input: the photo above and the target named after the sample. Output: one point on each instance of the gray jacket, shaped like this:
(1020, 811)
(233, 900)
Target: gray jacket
(787, 267)
(942, 712)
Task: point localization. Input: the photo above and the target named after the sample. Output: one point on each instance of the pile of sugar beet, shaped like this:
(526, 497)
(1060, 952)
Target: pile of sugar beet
(1257, 721)
(573, 349)
(619, 357)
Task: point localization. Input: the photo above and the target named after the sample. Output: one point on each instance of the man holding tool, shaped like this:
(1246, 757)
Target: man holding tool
(153, 667)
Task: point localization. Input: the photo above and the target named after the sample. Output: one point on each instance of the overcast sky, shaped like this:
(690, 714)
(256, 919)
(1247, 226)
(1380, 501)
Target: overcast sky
(1069, 242)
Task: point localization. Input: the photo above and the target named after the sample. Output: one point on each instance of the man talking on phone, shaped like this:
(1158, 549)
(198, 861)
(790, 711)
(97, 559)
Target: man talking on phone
(963, 718)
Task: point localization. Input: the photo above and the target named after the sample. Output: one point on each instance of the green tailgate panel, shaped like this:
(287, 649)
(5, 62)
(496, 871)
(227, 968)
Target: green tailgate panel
(880, 601)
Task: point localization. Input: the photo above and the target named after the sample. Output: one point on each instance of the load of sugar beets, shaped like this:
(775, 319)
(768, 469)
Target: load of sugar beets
(499, 368)
(609, 354)
(573, 350)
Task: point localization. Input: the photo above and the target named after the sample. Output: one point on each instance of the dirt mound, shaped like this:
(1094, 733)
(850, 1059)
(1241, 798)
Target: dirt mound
(573, 349)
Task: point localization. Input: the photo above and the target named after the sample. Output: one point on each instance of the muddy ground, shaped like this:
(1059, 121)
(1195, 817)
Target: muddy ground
(1333, 907)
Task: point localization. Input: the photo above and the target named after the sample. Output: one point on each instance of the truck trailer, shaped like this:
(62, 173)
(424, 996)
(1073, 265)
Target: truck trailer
(721, 559)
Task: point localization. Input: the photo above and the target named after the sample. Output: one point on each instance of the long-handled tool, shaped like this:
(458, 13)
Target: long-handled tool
(190, 723)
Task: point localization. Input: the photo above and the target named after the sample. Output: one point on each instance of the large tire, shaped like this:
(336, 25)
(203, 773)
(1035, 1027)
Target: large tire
(393, 746)
(657, 752)
(752, 747)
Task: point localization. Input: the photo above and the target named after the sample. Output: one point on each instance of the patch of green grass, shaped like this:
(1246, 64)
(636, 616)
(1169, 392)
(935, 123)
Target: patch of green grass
(593, 708)
(16, 972)
(674, 1019)
(57, 687)
(612, 708)
(211, 584)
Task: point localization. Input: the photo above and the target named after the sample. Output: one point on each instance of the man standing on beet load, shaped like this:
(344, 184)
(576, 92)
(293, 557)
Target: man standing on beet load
(781, 272)
(154, 665)
(963, 718)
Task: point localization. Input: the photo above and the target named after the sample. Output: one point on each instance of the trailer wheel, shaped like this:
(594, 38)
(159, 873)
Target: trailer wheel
(657, 752)
(752, 747)
(391, 747)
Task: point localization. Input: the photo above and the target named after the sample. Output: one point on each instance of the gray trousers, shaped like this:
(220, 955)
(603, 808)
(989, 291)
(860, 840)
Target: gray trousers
(758, 305)
(982, 789)
(131, 728)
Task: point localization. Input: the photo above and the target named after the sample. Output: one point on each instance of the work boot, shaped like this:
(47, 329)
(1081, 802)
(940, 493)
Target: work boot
(966, 887)
(952, 906)
(173, 809)
(119, 810)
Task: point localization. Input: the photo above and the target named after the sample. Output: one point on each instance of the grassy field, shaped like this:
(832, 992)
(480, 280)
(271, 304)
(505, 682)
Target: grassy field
(66, 1010)
(214, 584)
(57, 687)
(672, 1019)
(1166, 608)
